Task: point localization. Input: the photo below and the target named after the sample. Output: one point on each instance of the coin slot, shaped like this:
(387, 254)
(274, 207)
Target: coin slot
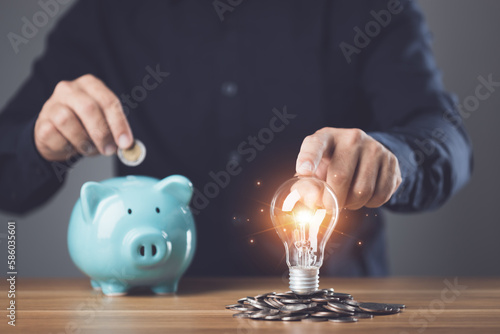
(153, 250)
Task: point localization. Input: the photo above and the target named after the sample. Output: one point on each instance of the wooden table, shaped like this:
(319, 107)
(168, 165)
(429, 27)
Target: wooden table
(71, 306)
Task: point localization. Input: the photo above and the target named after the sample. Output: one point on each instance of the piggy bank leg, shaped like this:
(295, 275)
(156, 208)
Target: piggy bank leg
(165, 288)
(113, 288)
(95, 285)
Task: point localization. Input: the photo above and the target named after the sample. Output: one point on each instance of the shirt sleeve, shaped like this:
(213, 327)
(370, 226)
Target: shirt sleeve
(26, 178)
(413, 115)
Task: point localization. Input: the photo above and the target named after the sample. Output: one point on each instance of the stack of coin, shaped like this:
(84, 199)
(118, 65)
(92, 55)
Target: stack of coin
(322, 305)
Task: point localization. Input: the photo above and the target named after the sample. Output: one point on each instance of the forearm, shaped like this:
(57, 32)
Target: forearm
(435, 158)
(27, 180)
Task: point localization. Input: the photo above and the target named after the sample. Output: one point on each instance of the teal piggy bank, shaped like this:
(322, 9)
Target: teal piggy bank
(133, 231)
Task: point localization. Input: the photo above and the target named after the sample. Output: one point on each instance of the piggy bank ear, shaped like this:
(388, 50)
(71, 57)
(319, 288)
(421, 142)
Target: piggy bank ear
(91, 195)
(177, 186)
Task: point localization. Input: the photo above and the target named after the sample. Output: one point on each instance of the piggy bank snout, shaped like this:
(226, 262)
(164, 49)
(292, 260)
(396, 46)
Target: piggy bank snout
(147, 247)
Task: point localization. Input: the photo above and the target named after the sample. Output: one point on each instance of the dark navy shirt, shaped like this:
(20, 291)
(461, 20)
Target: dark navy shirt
(225, 95)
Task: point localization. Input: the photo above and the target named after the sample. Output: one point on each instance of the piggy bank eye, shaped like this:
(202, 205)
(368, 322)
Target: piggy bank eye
(157, 210)
(129, 211)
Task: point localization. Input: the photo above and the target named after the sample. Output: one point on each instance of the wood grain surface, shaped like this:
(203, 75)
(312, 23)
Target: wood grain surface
(434, 305)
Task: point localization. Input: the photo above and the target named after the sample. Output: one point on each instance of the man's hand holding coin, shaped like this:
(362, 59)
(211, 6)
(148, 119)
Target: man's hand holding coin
(82, 116)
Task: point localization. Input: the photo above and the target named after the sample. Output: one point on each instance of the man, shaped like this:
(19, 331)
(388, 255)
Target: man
(227, 96)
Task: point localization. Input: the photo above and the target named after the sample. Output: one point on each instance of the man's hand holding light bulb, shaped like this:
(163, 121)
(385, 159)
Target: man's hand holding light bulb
(360, 170)
(336, 168)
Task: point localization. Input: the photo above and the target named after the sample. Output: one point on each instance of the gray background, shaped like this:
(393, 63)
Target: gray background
(461, 238)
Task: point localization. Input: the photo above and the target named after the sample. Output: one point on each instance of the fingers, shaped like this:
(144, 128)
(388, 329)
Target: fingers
(92, 118)
(71, 129)
(51, 142)
(365, 179)
(387, 182)
(360, 170)
(343, 164)
(88, 115)
(313, 148)
(111, 108)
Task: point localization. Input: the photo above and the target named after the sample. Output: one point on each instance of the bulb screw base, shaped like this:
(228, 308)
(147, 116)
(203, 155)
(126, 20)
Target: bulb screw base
(304, 281)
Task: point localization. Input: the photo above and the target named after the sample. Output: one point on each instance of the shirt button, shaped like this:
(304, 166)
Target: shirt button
(229, 89)
(234, 156)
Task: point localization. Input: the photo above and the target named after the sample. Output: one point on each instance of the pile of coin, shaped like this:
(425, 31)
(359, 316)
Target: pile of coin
(322, 305)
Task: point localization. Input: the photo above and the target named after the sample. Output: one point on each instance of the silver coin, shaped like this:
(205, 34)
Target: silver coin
(363, 315)
(339, 312)
(344, 319)
(133, 156)
(319, 300)
(241, 315)
(389, 311)
(316, 319)
(374, 307)
(232, 306)
(396, 305)
(244, 308)
(273, 317)
(264, 295)
(285, 295)
(312, 306)
(294, 317)
(342, 307)
(317, 293)
(277, 302)
(351, 302)
(271, 303)
(295, 301)
(259, 315)
(269, 311)
(339, 295)
(323, 314)
(257, 304)
(293, 308)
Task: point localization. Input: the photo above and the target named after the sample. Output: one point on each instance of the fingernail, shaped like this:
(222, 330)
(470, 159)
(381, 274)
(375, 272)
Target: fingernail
(305, 168)
(109, 149)
(124, 141)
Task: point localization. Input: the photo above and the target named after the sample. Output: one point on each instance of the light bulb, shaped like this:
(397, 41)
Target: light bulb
(304, 212)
